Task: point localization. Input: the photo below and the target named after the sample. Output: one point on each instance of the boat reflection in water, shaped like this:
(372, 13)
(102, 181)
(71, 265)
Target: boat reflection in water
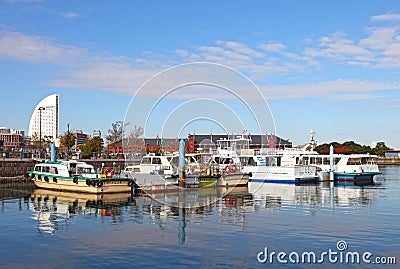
(276, 196)
(53, 209)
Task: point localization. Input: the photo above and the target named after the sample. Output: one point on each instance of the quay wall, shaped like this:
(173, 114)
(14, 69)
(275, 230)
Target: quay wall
(388, 161)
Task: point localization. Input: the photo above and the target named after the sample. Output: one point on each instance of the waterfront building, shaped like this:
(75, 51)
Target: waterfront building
(392, 154)
(80, 138)
(194, 142)
(45, 118)
(10, 138)
(257, 141)
(96, 133)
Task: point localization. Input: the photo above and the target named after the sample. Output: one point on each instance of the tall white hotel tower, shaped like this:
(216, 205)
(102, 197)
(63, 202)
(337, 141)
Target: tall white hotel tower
(46, 113)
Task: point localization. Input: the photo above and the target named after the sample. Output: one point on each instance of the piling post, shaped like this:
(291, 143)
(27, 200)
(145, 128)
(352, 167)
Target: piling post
(182, 164)
(332, 164)
(331, 176)
(52, 152)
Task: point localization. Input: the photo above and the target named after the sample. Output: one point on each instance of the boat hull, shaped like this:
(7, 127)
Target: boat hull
(98, 186)
(283, 174)
(355, 179)
(238, 179)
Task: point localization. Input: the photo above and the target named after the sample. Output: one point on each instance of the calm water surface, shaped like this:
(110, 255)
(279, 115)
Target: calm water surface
(213, 228)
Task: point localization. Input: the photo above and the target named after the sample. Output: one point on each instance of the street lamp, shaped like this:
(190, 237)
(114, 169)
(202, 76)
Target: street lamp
(40, 131)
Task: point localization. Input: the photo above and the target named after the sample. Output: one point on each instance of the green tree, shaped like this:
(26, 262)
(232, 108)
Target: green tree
(380, 149)
(68, 141)
(116, 133)
(92, 145)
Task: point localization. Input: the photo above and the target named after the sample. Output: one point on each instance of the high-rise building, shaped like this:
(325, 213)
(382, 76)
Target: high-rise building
(45, 117)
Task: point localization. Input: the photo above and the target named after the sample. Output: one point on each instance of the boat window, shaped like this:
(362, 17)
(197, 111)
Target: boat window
(312, 160)
(45, 169)
(146, 160)
(225, 161)
(278, 161)
(326, 161)
(354, 161)
(156, 161)
(318, 161)
(297, 160)
(53, 170)
(38, 168)
(305, 161)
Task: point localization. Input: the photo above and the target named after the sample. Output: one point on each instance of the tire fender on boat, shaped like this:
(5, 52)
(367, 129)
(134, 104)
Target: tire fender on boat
(75, 180)
(88, 182)
(46, 178)
(100, 184)
(233, 168)
(93, 183)
(130, 183)
(108, 172)
(54, 179)
(227, 169)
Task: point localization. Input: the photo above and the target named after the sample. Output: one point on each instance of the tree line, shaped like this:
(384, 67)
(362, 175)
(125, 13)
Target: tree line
(350, 147)
(115, 137)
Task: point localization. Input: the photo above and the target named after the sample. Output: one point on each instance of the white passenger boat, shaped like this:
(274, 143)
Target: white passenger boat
(77, 176)
(347, 168)
(274, 169)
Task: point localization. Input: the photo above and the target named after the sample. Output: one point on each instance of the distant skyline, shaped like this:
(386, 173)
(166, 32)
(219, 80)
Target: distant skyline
(328, 66)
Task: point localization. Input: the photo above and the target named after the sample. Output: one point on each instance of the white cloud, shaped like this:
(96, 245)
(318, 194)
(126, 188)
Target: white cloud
(17, 46)
(386, 17)
(71, 15)
(272, 47)
(380, 48)
(243, 49)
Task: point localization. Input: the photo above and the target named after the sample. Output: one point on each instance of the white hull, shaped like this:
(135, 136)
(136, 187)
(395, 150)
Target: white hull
(281, 174)
(233, 179)
(153, 181)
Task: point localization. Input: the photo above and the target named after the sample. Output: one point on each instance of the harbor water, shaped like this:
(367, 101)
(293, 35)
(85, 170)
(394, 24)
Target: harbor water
(207, 228)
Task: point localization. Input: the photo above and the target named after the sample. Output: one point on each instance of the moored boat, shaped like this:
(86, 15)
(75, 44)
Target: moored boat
(77, 176)
(355, 179)
(272, 169)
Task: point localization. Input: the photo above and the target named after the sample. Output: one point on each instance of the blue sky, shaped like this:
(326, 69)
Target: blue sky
(331, 66)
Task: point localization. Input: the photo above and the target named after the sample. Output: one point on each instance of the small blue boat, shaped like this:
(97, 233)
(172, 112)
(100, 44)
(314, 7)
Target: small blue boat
(355, 179)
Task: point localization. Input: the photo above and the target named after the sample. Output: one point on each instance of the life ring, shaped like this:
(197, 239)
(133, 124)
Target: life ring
(108, 172)
(54, 179)
(233, 168)
(75, 180)
(227, 169)
(99, 184)
(88, 182)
